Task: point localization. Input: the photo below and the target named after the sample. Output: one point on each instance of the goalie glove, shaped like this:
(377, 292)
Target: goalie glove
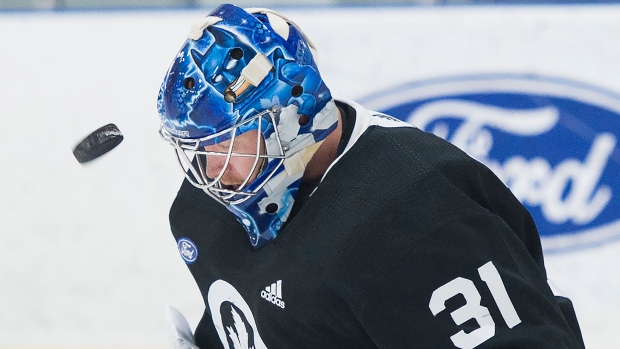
(180, 333)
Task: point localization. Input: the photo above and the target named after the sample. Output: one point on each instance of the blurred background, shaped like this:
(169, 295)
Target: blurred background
(140, 4)
(86, 256)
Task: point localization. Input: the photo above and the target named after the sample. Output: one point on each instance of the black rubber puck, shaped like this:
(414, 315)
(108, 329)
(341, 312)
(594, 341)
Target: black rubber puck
(98, 143)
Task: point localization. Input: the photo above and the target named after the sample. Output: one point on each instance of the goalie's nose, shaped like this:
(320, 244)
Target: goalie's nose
(215, 167)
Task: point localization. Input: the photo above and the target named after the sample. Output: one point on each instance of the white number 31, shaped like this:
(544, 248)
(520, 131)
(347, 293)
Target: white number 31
(472, 308)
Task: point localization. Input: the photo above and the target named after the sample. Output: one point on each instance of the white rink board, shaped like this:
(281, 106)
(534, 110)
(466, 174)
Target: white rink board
(87, 257)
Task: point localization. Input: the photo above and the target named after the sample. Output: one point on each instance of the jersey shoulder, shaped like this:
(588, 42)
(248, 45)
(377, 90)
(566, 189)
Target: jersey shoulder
(423, 182)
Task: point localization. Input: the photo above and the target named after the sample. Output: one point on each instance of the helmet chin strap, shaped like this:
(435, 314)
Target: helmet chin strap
(298, 161)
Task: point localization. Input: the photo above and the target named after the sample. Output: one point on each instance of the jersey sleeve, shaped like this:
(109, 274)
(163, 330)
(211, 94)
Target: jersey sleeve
(469, 283)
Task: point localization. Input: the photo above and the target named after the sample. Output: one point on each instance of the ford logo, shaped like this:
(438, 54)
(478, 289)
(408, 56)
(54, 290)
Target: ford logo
(553, 142)
(187, 250)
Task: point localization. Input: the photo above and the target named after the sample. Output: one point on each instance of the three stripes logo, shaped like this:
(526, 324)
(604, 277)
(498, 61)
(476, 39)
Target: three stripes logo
(273, 294)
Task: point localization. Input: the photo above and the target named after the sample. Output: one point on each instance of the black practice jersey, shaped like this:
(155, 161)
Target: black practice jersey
(406, 243)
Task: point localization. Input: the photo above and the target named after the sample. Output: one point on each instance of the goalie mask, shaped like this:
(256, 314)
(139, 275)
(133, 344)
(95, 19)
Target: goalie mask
(247, 74)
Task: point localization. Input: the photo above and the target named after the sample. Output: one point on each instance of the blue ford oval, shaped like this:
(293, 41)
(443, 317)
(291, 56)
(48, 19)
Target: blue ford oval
(552, 141)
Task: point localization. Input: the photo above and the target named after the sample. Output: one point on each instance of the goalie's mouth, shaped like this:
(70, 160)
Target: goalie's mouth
(233, 187)
(236, 187)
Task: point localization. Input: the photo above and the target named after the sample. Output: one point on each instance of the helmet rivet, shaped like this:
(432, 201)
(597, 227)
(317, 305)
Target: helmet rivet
(189, 83)
(272, 208)
(230, 96)
(236, 53)
(303, 120)
(297, 91)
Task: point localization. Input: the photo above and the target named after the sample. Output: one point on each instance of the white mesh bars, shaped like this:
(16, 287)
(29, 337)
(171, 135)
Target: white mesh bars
(194, 160)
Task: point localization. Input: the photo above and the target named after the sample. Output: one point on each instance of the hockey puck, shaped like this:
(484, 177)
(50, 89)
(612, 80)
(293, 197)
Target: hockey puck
(98, 143)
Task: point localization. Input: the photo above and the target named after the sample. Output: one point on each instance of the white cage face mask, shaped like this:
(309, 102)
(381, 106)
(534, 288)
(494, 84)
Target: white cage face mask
(206, 169)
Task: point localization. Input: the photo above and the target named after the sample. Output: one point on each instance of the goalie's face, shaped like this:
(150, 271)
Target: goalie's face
(234, 164)
(237, 163)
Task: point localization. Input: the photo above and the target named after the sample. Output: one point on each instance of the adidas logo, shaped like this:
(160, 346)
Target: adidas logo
(273, 294)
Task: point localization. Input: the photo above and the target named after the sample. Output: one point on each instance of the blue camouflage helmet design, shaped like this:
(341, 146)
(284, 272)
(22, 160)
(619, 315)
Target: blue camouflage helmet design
(238, 71)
